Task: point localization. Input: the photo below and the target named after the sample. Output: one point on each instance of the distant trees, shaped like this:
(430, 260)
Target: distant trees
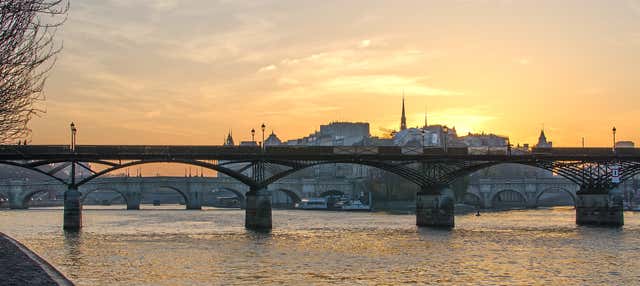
(27, 53)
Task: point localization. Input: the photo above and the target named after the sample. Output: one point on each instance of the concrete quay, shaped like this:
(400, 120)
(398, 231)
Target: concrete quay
(21, 266)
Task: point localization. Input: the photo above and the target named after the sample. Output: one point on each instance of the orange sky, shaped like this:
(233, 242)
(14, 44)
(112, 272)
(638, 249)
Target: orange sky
(185, 72)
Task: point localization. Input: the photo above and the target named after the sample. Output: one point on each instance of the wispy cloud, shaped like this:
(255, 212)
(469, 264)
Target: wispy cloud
(384, 85)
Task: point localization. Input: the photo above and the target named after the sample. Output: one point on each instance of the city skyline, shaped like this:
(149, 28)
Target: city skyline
(130, 74)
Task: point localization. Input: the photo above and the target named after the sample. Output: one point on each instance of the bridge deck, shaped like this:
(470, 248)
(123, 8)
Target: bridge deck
(142, 152)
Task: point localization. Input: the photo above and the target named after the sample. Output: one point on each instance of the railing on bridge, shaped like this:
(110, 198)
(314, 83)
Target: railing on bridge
(186, 150)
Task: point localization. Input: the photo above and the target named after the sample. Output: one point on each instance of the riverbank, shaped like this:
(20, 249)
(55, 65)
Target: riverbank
(20, 266)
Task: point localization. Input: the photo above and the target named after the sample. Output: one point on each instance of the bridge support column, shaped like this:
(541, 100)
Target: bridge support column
(16, 198)
(435, 209)
(258, 210)
(133, 200)
(72, 209)
(195, 201)
(598, 209)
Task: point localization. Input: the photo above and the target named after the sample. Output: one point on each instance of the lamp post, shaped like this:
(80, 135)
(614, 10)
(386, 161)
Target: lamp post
(253, 135)
(263, 128)
(445, 130)
(73, 136)
(614, 138)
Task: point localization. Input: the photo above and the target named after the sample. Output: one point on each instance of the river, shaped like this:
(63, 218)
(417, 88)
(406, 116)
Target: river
(171, 246)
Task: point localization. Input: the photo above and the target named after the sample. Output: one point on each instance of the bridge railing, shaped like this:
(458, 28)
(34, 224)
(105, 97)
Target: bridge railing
(597, 151)
(26, 151)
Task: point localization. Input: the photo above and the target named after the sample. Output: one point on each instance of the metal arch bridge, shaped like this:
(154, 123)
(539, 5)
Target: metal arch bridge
(595, 170)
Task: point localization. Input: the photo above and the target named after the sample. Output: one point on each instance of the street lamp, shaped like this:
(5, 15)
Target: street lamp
(253, 135)
(614, 138)
(263, 127)
(73, 136)
(445, 130)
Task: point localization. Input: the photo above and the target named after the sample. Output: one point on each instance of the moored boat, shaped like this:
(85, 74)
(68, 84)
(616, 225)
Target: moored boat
(312, 204)
(354, 205)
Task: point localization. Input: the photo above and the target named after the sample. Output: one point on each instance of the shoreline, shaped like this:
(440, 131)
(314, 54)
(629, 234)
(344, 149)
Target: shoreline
(21, 266)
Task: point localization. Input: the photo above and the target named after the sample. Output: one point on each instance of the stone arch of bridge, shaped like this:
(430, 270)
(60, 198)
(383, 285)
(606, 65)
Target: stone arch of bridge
(86, 194)
(238, 194)
(473, 198)
(291, 194)
(556, 189)
(29, 195)
(185, 197)
(520, 195)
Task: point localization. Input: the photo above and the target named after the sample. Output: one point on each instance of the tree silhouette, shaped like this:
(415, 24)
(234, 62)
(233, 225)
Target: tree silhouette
(27, 54)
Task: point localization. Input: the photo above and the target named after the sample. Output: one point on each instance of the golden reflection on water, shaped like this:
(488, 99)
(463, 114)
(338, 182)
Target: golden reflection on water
(210, 247)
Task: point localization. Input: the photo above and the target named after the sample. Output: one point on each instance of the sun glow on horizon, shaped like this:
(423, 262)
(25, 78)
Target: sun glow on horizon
(126, 78)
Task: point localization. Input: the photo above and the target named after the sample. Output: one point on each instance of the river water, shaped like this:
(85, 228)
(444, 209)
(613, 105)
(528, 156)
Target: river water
(211, 247)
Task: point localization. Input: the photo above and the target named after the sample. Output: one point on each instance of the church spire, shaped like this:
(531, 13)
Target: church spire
(403, 119)
(425, 117)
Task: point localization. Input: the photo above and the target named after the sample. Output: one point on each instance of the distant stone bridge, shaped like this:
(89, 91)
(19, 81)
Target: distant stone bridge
(191, 189)
(489, 193)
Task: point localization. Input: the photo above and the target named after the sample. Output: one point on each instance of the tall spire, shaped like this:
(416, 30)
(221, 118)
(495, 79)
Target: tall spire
(403, 119)
(425, 117)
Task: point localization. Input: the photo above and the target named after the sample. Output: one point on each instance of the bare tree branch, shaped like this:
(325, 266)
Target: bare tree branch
(27, 54)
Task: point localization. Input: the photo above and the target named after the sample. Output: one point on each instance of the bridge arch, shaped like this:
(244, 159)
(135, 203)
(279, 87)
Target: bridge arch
(555, 189)
(29, 195)
(185, 197)
(400, 170)
(231, 173)
(215, 192)
(294, 197)
(541, 165)
(86, 194)
(290, 194)
(472, 199)
(509, 196)
(238, 194)
(33, 169)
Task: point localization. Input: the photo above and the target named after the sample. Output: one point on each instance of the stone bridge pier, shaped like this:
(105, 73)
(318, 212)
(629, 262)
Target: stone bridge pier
(15, 194)
(599, 207)
(72, 209)
(435, 207)
(258, 210)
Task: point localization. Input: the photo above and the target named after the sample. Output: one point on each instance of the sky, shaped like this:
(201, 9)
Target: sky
(189, 71)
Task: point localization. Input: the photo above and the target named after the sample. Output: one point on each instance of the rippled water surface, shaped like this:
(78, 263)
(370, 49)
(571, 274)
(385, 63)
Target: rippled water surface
(211, 247)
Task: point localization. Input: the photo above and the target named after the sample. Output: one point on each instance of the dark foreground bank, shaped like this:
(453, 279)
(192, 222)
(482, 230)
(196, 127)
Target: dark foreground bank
(20, 266)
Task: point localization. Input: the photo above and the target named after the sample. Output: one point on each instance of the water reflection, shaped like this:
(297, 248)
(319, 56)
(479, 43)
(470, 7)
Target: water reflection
(73, 255)
(159, 247)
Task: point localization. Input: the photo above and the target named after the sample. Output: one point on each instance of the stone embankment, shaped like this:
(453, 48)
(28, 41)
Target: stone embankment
(20, 266)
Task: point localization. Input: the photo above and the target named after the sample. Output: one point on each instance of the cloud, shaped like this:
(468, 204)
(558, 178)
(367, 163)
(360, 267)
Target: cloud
(384, 85)
(343, 69)
(268, 68)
